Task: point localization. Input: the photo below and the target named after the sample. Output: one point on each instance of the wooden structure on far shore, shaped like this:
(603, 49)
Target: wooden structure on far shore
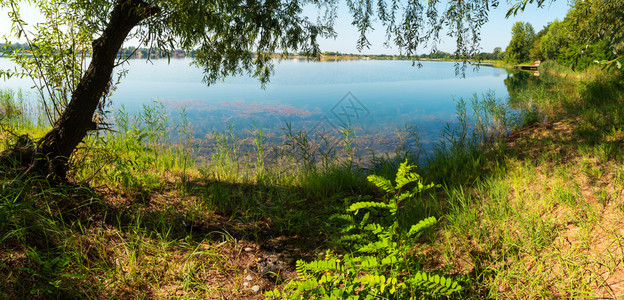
(532, 67)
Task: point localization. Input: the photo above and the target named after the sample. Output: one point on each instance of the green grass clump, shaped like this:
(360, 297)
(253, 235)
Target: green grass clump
(18, 116)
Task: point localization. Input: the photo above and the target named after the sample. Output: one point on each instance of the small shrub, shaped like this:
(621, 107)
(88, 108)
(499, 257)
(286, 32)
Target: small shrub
(377, 264)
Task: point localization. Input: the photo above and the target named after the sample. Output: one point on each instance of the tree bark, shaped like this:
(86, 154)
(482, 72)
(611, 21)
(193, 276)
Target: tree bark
(57, 145)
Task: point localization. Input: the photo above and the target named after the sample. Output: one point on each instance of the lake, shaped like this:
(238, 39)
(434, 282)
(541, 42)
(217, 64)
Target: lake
(374, 98)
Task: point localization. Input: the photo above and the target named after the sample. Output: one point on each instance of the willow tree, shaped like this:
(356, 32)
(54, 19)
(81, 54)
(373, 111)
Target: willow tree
(592, 31)
(74, 53)
(592, 22)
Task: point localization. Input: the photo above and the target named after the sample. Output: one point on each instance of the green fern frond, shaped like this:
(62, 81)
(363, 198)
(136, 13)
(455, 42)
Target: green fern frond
(348, 228)
(302, 271)
(276, 294)
(405, 175)
(376, 246)
(391, 260)
(373, 281)
(327, 277)
(337, 294)
(374, 228)
(355, 207)
(321, 266)
(436, 283)
(342, 217)
(353, 238)
(421, 226)
(364, 219)
(368, 262)
(421, 187)
(381, 183)
(377, 266)
(405, 195)
(307, 285)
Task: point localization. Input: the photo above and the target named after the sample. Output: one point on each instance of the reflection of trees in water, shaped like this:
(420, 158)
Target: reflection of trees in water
(519, 83)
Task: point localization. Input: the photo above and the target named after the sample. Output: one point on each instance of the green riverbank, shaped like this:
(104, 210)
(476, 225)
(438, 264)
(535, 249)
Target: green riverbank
(536, 213)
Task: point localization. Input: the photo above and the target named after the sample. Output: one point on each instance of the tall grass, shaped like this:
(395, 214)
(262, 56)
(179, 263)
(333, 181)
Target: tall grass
(18, 115)
(139, 151)
(530, 222)
(478, 135)
(142, 150)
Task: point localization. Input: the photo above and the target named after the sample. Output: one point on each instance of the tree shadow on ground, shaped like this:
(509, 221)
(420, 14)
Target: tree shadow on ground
(269, 226)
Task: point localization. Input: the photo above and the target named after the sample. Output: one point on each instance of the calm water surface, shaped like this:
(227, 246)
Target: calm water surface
(375, 98)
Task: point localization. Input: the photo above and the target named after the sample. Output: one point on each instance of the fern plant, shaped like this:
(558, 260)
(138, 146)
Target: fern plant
(376, 263)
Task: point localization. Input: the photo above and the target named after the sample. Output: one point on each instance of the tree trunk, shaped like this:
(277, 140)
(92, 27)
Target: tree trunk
(54, 149)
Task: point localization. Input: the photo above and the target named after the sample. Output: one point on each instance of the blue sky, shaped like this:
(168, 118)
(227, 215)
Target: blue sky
(496, 33)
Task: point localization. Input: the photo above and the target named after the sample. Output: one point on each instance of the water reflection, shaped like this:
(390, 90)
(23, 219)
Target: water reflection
(517, 83)
(304, 95)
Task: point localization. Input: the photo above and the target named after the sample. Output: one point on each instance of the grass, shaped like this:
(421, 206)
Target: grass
(17, 116)
(544, 221)
(533, 213)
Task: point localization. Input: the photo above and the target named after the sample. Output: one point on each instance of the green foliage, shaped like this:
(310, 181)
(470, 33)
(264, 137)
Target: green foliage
(555, 41)
(37, 260)
(225, 154)
(591, 33)
(535, 53)
(522, 37)
(378, 264)
(563, 44)
(49, 273)
(57, 50)
(597, 28)
(139, 150)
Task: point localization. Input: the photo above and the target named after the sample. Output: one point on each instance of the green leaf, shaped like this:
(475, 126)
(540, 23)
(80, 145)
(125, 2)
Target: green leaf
(381, 183)
(435, 283)
(415, 229)
(355, 207)
(405, 176)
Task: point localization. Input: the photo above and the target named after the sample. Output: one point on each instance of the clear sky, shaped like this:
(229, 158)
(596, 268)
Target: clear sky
(496, 33)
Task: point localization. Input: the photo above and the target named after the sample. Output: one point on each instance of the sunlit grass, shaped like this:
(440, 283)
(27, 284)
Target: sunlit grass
(542, 222)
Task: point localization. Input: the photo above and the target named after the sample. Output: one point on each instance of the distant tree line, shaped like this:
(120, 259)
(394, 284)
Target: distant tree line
(438, 55)
(497, 54)
(133, 52)
(10, 47)
(129, 52)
